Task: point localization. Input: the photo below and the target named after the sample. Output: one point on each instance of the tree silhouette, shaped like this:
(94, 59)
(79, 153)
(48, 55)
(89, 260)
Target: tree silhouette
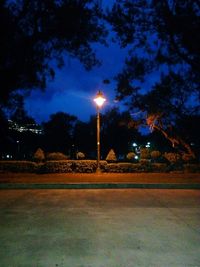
(35, 32)
(164, 42)
(58, 132)
(116, 132)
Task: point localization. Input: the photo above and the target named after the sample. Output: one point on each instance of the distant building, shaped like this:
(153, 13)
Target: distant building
(34, 128)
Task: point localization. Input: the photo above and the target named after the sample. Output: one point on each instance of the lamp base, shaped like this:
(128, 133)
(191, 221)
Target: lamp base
(98, 170)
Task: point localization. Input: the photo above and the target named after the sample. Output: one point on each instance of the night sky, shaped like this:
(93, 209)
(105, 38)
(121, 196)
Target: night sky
(73, 89)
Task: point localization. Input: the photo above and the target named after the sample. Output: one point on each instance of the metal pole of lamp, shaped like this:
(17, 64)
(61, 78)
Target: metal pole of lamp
(98, 141)
(99, 100)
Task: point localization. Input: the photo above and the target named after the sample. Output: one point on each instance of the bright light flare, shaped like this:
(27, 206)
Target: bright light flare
(99, 99)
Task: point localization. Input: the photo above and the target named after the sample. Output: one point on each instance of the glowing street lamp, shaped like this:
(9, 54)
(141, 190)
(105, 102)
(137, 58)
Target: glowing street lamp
(99, 100)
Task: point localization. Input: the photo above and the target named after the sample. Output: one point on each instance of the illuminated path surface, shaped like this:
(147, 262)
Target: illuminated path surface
(100, 228)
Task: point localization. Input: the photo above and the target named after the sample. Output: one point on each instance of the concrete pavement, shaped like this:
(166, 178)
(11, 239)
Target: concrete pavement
(100, 228)
(102, 180)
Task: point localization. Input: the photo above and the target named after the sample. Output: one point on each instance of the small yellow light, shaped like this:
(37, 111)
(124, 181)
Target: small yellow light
(99, 99)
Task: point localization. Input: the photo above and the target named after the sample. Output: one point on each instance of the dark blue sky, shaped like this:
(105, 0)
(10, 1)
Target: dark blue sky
(74, 88)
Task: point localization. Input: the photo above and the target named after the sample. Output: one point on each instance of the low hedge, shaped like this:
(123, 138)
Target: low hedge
(191, 167)
(18, 166)
(159, 167)
(88, 166)
(123, 167)
(56, 166)
(85, 166)
(80, 166)
(136, 167)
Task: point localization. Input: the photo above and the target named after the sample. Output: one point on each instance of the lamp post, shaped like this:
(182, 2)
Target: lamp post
(99, 100)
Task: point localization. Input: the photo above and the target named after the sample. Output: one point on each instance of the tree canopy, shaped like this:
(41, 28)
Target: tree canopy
(164, 42)
(58, 132)
(116, 132)
(34, 32)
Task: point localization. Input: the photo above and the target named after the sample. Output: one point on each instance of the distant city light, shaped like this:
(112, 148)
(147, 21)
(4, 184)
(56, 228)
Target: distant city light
(136, 157)
(134, 144)
(34, 128)
(148, 145)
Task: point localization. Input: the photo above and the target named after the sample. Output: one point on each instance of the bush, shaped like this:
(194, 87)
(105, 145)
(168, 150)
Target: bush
(155, 155)
(88, 166)
(111, 157)
(144, 153)
(172, 157)
(159, 167)
(80, 155)
(187, 157)
(56, 166)
(39, 155)
(130, 156)
(56, 156)
(18, 166)
(123, 167)
(192, 168)
(85, 166)
(145, 161)
(136, 167)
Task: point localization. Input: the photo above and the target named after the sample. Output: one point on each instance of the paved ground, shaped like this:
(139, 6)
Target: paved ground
(181, 178)
(100, 181)
(100, 228)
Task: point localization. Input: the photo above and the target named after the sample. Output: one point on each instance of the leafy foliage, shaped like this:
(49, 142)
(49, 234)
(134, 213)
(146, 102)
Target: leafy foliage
(56, 166)
(59, 132)
(172, 157)
(116, 133)
(161, 75)
(18, 166)
(130, 156)
(84, 137)
(39, 155)
(155, 154)
(56, 156)
(111, 156)
(34, 32)
(80, 155)
(144, 153)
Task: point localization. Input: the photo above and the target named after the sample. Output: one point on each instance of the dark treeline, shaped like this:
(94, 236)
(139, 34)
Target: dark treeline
(65, 133)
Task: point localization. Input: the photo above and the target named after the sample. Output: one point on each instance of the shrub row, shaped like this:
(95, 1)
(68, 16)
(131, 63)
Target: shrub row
(80, 166)
(123, 167)
(136, 167)
(68, 166)
(18, 166)
(89, 166)
(56, 166)
(192, 167)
